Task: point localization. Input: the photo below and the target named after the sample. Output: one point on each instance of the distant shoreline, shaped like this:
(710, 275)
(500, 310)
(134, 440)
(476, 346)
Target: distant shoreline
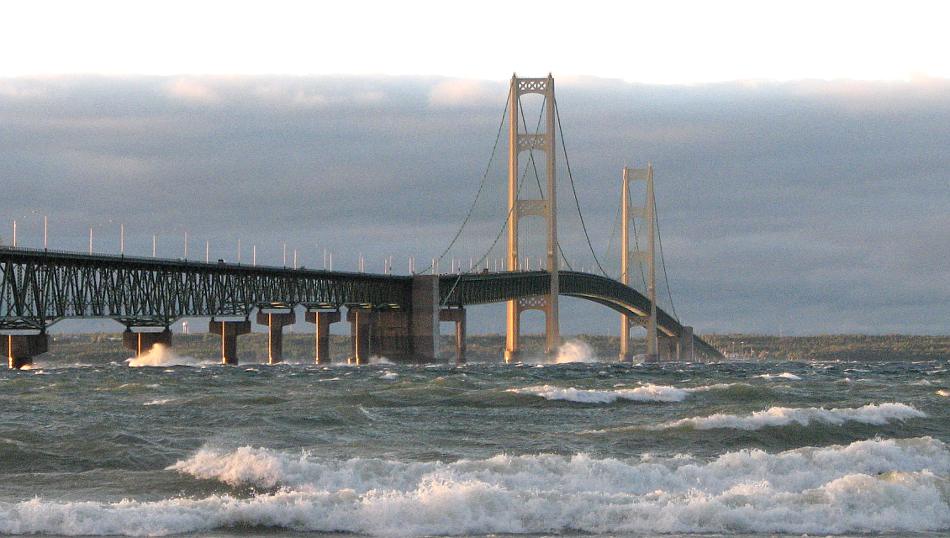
(298, 346)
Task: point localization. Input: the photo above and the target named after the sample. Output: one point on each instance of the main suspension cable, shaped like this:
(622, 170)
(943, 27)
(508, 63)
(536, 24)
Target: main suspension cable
(504, 225)
(481, 186)
(666, 277)
(613, 232)
(577, 202)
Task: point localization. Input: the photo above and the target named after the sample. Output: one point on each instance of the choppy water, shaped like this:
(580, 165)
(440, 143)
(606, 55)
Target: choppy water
(580, 448)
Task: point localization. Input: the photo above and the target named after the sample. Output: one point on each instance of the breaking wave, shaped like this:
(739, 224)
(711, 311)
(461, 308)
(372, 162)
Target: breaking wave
(868, 486)
(874, 414)
(645, 393)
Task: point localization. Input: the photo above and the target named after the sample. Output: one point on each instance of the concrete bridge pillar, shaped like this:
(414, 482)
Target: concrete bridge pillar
(361, 334)
(456, 315)
(626, 353)
(229, 331)
(425, 317)
(142, 339)
(666, 347)
(391, 335)
(322, 320)
(684, 345)
(21, 348)
(275, 319)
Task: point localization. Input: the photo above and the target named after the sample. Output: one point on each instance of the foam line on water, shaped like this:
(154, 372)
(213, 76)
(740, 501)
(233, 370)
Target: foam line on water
(874, 414)
(867, 486)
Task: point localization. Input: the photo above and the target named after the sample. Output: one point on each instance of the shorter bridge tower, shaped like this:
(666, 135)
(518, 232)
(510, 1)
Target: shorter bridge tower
(545, 207)
(647, 215)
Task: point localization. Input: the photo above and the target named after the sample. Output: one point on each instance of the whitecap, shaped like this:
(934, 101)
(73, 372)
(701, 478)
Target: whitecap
(645, 393)
(783, 375)
(874, 414)
(160, 401)
(873, 486)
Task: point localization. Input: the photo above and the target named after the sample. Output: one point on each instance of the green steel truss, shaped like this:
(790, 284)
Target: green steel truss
(38, 288)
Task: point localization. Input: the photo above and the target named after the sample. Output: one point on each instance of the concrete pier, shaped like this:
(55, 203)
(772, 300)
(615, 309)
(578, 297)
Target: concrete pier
(684, 346)
(361, 334)
(275, 319)
(456, 315)
(666, 347)
(425, 317)
(391, 335)
(322, 319)
(229, 331)
(19, 349)
(142, 339)
(626, 352)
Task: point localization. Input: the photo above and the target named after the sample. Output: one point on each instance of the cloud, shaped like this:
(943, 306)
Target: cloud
(192, 90)
(464, 93)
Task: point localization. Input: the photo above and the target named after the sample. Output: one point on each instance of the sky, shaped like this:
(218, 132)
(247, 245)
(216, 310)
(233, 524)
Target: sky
(803, 182)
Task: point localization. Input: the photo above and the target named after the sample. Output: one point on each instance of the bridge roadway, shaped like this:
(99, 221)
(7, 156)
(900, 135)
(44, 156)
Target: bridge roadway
(40, 287)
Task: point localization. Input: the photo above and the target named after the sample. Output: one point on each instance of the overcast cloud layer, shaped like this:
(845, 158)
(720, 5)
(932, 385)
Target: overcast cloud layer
(810, 207)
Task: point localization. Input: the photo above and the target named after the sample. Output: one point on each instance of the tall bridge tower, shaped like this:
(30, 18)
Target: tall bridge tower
(545, 207)
(646, 214)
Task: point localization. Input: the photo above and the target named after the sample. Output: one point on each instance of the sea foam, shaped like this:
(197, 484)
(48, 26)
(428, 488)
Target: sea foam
(867, 486)
(874, 414)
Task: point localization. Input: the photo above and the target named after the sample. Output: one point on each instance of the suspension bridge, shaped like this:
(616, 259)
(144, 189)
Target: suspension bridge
(396, 316)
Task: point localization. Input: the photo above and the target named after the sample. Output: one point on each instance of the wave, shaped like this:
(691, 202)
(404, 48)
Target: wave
(645, 393)
(867, 486)
(160, 401)
(874, 414)
(783, 375)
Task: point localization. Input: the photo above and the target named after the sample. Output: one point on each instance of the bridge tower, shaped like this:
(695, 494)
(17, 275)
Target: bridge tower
(647, 215)
(545, 207)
